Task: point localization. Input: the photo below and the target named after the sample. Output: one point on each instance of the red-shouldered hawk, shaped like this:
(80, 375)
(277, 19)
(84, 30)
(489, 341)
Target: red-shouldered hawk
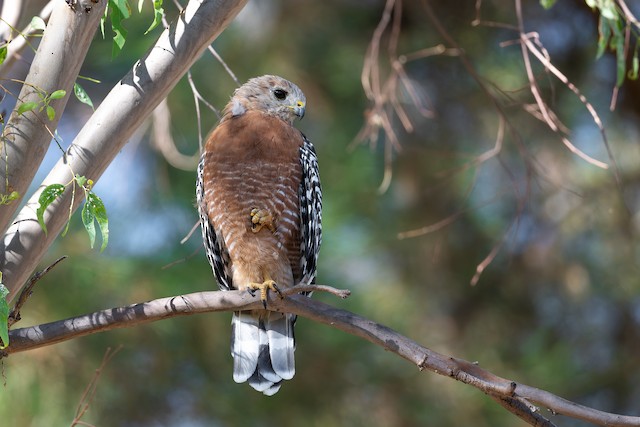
(260, 203)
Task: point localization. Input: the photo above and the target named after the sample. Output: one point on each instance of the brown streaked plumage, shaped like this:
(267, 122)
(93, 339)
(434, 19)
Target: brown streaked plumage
(258, 169)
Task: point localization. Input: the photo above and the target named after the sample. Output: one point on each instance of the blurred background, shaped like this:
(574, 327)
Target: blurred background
(557, 305)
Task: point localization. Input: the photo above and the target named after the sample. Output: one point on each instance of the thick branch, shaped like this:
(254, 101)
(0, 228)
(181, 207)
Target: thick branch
(510, 394)
(129, 103)
(56, 65)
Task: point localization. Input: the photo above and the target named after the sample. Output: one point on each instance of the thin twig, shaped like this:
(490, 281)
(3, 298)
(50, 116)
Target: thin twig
(627, 13)
(181, 260)
(190, 233)
(90, 390)
(14, 316)
(504, 121)
(164, 142)
(531, 47)
(198, 98)
(196, 101)
(342, 293)
(224, 65)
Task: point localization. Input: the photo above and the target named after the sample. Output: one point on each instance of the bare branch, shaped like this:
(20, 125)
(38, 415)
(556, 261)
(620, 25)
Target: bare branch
(163, 140)
(523, 409)
(125, 317)
(90, 390)
(196, 225)
(515, 397)
(224, 65)
(198, 98)
(504, 123)
(627, 13)
(543, 57)
(14, 316)
(341, 293)
(128, 104)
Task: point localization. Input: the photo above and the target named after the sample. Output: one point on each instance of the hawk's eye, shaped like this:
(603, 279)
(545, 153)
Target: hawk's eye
(280, 94)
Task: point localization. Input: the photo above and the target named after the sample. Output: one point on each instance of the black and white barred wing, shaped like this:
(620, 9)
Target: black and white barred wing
(217, 253)
(310, 195)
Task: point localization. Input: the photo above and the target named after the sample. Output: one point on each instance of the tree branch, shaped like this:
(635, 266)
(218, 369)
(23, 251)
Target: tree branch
(26, 136)
(515, 397)
(19, 42)
(128, 104)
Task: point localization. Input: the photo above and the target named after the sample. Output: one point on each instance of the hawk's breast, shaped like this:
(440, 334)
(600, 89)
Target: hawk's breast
(252, 161)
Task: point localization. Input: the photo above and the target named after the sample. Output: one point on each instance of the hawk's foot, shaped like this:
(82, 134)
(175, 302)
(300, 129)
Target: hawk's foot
(261, 218)
(264, 287)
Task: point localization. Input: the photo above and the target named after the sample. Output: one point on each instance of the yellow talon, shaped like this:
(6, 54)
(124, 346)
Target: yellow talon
(261, 218)
(264, 287)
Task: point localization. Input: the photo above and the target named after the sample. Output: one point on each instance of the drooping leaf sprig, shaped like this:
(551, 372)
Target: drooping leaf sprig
(93, 210)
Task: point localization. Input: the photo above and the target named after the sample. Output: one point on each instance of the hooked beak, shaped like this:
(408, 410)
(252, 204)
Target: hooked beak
(298, 109)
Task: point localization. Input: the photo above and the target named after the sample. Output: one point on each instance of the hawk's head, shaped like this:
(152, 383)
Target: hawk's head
(271, 94)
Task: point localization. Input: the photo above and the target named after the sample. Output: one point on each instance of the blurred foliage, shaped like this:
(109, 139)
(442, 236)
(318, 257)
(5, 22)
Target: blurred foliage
(557, 308)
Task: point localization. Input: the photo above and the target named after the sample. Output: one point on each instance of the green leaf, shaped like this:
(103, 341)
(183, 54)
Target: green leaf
(48, 195)
(66, 228)
(3, 53)
(157, 15)
(51, 113)
(621, 60)
(608, 9)
(37, 23)
(103, 221)
(6, 199)
(632, 74)
(81, 95)
(58, 94)
(103, 20)
(121, 6)
(604, 30)
(88, 217)
(120, 36)
(95, 210)
(547, 4)
(27, 106)
(140, 3)
(4, 315)
(81, 180)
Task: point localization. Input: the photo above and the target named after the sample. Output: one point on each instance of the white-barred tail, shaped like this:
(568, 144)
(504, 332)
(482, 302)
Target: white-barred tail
(262, 346)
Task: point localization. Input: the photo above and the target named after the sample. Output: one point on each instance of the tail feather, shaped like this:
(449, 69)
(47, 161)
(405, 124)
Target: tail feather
(262, 346)
(264, 369)
(245, 345)
(261, 384)
(273, 389)
(281, 345)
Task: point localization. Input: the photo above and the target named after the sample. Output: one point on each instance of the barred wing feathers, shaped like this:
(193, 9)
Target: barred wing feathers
(310, 195)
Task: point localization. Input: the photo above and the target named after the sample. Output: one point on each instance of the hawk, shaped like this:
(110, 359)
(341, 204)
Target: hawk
(259, 198)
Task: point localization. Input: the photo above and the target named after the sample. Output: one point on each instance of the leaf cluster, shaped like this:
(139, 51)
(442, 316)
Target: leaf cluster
(43, 104)
(119, 11)
(615, 31)
(92, 211)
